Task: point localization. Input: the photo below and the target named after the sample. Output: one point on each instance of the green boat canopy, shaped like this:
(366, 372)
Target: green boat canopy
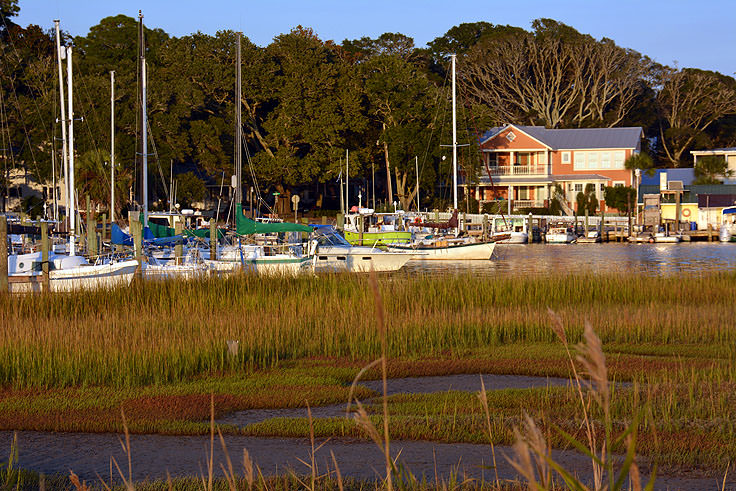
(161, 231)
(246, 226)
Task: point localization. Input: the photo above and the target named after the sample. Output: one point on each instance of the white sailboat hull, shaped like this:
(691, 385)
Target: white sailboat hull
(87, 277)
(454, 252)
(359, 259)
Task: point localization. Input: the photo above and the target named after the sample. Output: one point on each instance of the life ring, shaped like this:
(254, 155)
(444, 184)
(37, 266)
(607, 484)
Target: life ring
(686, 212)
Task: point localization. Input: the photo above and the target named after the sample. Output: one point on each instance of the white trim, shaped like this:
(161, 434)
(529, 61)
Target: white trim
(593, 148)
(568, 154)
(509, 125)
(499, 150)
(712, 152)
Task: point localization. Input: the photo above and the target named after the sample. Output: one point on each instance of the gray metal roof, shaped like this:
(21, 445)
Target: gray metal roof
(578, 138)
(580, 177)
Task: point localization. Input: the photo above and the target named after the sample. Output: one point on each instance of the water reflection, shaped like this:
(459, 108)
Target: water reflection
(533, 259)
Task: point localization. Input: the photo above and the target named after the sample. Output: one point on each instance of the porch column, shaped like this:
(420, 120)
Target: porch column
(511, 161)
(547, 163)
(510, 197)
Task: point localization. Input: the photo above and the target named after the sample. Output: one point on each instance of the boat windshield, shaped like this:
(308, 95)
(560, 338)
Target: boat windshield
(329, 236)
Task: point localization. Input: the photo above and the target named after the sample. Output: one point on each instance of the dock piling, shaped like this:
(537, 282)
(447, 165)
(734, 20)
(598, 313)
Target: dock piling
(45, 254)
(3, 254)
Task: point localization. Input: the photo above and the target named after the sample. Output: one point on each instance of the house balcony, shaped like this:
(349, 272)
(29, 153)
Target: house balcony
(519, 204)
(518, 170)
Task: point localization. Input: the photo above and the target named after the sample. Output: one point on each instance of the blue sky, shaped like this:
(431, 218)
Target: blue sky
(694, 34)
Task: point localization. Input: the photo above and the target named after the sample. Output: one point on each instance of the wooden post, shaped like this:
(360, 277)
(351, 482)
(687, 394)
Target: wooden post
(324, 219)
(360, 229)
(603, 224)
(710, 233)
(3, 254)
(213, 240)
(678, 212)
(91, 237)
(586, 221)
(104, 226)
(88, 239)
(529, 229)
(179, 248)
(485, 227)
(45, 254)
(340, 221)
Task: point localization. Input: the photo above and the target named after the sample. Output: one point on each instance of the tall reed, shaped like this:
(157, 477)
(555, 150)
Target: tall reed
(173, 330)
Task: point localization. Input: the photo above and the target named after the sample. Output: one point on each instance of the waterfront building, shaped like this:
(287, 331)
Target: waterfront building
(532, 164)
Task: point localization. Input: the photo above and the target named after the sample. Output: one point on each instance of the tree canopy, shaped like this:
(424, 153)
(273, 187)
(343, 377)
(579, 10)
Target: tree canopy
(305, 101)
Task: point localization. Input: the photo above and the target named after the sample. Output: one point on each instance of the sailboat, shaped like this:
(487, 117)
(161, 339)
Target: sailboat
(67, 272)
(448, 247)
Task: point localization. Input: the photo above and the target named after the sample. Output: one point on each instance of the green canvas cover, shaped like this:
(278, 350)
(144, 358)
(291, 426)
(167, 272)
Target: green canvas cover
(161, 231)
(246, 226)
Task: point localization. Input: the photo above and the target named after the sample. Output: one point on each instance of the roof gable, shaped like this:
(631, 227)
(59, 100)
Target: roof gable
(576, 138)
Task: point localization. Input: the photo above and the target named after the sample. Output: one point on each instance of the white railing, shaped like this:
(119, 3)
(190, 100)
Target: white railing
(527, 203)
(518, 170)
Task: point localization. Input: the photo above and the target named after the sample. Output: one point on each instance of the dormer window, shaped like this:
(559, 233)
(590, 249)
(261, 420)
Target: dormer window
(510, 136)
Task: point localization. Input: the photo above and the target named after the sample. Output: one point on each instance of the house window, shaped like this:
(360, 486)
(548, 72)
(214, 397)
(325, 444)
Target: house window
(510, 136)
(619, 184)
(579, 161)
(565, 157)
(618, 160)
(579, 188)
(605, 160)
(603, 187)
(592, 160)
(523, 193)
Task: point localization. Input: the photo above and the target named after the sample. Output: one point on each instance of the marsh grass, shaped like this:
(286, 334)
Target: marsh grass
(176, 330)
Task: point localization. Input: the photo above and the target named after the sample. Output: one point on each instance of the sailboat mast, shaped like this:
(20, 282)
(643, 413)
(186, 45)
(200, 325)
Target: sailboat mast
(144, 130)
(112, 146)
(72, 212)
(454, 138)
(347, 180)
(64, 153)
(142, 151)
(416, 166)
(238, 133)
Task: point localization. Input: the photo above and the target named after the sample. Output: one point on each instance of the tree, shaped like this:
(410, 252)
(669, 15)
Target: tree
(641, 161)
(311, 113)
(689, 102)
(587, 200)
(399, 96)
(555, 76)
(190, 189)
(622, 198)
(711, 169)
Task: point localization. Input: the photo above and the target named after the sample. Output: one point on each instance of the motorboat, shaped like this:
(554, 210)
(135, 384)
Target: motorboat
(334, 253)
(377, 228)
(560, 235)
(511, 230)
(592, 237)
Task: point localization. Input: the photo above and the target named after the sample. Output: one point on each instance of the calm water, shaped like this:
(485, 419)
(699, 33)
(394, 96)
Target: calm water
(658, 259)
